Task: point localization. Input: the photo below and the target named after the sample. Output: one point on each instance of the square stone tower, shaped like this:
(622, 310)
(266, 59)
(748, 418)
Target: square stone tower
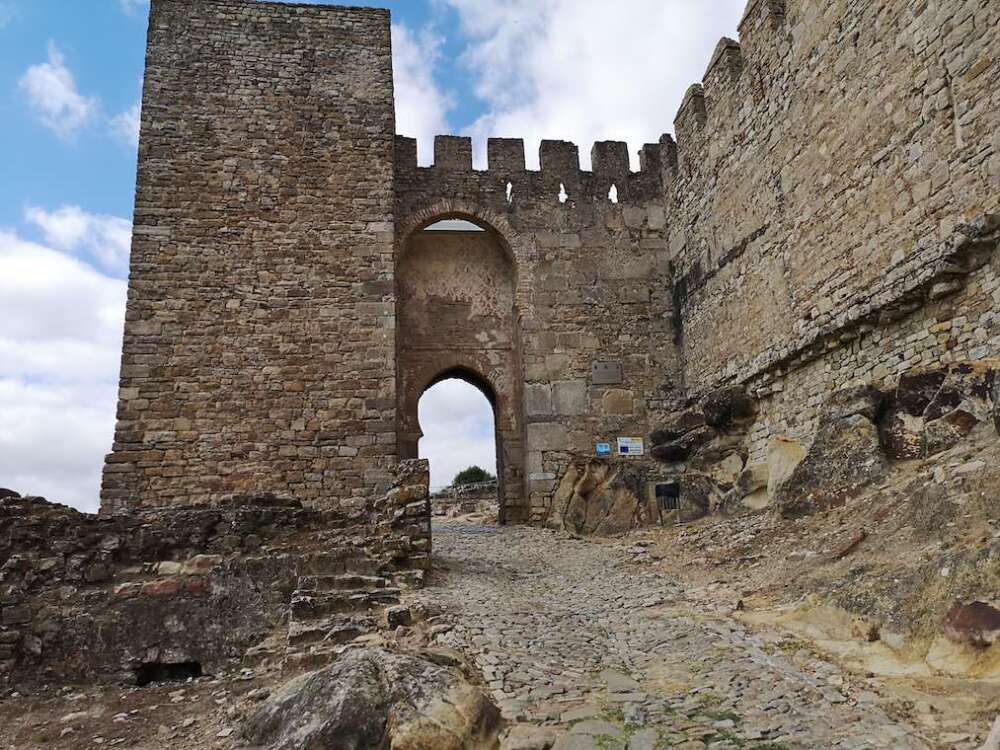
(259, 349)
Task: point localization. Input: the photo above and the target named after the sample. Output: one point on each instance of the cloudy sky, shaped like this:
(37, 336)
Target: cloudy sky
(70, 84)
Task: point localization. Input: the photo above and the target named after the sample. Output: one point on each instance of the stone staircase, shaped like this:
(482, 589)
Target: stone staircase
(328, 611)
(337, 599)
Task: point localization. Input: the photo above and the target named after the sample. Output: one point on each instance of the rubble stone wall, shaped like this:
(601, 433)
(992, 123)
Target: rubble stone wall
(259, 347)
(82, 595)
(824, 169)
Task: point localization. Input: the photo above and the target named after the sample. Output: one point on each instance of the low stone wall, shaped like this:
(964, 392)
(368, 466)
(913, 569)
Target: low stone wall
(480, 497)
(84, 595)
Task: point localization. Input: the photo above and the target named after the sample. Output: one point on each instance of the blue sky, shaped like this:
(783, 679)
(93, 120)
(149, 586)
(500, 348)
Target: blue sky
(70, 86)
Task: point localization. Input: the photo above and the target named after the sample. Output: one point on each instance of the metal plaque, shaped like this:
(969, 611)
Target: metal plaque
(606, 373)
(631, 446)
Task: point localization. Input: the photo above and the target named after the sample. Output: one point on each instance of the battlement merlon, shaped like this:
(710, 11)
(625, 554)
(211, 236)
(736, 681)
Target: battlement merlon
(559, 166)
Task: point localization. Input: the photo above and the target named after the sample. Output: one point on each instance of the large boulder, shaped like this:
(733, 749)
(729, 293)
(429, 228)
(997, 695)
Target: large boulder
(845, 455)
(975, 623)
(863, 400)
(699, 497)
(934, 409)
(376, 700)
(917, 388)
(598, 498)
(783, 456)
(724, 406)
(677, 424)
(749, 490)
(902, 434)
(682, 448)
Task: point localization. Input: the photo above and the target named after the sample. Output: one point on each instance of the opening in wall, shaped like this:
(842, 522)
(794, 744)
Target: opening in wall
(459, 441)
(155, 671)
(668, 496)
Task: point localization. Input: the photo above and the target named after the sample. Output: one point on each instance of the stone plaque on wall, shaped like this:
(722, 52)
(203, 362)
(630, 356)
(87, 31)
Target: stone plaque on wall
(606, 373)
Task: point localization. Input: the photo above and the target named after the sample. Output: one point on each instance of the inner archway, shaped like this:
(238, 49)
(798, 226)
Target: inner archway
(458, 427)
(456, 318)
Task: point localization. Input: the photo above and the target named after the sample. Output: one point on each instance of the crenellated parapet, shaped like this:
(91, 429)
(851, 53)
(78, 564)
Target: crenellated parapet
(559, 177)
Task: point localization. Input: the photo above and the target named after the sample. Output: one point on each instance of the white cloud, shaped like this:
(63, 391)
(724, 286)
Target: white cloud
(457, 422)
(52, 93)
(125, 125)
(421, 106)
(104, 239)
(60, 345)
(133, 7)
(587, 70)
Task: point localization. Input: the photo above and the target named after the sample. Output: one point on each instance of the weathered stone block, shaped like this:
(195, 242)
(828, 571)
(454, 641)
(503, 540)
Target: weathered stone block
(569, 397)
(618, 402)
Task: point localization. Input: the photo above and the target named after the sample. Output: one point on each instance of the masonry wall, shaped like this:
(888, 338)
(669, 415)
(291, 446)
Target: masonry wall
(824, 170)
(590, 277)
(259, 344)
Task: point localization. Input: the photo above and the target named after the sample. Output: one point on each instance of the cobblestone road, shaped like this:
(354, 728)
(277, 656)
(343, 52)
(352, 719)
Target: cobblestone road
(569, 635)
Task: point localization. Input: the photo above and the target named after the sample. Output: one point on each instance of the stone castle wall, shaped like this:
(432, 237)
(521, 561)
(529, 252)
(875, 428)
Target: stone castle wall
(589, 280)
(824, 169)
(823, 217)
(259, 346)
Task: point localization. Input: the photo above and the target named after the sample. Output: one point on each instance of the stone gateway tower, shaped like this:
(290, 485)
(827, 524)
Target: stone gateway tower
(825, 215)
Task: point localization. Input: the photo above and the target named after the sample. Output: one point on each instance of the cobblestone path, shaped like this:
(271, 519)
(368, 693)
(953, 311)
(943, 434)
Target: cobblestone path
(569, 635)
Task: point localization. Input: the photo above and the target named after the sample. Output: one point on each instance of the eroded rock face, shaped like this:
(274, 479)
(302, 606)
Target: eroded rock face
(783, 456)
(976, 623)
(845, 455)
(727, 405)
(597, 498)
(377, 700)
(933, 410)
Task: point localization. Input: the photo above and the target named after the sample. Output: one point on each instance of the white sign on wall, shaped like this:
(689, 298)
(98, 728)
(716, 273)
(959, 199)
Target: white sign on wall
(630, 446)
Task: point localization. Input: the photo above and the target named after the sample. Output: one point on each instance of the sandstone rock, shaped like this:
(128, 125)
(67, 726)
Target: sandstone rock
(947, 431)
(971, 385)
(679, 423)
(597, 498)
(726, 405)
(699, 497)
(783, 455)
(902, 434)
(727, 471)
(749, 490)
(845, 455)
(376, 699)
(916, 390)
(976, 623)
(864, 400)
(993, 739)
(683, 447)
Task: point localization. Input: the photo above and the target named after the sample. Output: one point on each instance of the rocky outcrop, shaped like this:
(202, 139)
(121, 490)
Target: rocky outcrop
(932, 410)
(845, 455)
(599, 498)
(377, 700)
(975, 623)
(704, 448)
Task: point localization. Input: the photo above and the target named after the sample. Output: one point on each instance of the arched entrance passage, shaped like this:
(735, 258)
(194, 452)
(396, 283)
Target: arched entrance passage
(456, 317)
(458, 426)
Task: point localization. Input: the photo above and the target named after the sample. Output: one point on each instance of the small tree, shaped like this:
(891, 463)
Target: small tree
(472, 475)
